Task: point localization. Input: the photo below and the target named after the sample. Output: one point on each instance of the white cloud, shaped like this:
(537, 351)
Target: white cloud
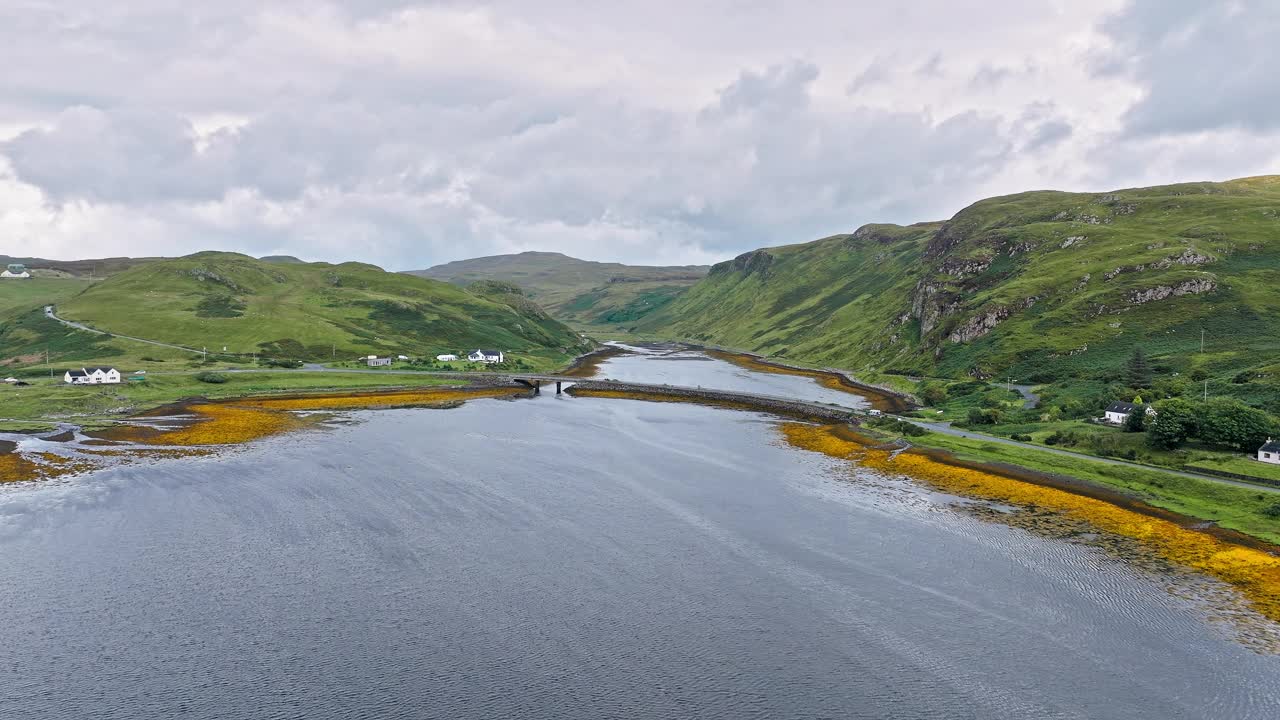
(409, 133)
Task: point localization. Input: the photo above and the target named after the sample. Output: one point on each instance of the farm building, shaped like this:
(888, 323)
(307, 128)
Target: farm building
(375, 361)
(15, 271)
(486, 356)
(92, 376)
(447, 358)
(1270, 453)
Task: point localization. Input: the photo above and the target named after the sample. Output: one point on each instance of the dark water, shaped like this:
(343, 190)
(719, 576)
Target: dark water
(574, 558)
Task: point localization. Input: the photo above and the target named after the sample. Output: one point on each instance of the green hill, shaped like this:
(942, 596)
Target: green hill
(1043, 287)
(577, 291)
(311, 311)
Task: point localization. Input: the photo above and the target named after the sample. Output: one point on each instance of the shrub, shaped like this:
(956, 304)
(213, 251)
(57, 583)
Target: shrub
(279, 362)
(211, 377)
(1272, 510)
(932, 393)
(1020, 437)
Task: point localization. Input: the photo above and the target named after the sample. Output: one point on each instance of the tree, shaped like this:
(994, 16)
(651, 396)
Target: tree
(1231, 423)
(1136, 421)
(1138, 369)
(1175, 421)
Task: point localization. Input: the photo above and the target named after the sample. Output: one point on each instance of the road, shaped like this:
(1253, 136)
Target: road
(49, 313)
(946, 429)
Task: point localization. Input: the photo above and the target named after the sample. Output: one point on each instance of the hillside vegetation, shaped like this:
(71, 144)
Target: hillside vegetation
(311, 311)
(1042, 287)
(577, 291)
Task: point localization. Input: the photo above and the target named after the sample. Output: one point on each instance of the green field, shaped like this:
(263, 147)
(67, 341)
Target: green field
(1253, 512)
(1240, 466)
(579, 292)
(47, 401)
(37, 292)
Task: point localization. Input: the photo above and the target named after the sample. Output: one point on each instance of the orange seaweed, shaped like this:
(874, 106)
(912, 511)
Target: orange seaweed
(1254, 572)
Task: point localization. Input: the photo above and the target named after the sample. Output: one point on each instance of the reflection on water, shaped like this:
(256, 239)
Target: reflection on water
(691, 368)
(574, 558)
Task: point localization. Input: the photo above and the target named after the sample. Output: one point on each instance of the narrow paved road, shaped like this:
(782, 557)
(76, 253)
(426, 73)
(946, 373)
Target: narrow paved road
(49, 313)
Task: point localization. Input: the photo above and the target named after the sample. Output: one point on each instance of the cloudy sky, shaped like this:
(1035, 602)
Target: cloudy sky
(408, 133)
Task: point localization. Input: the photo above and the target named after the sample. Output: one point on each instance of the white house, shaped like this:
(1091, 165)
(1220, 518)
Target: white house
(16, 271)
(486, 356)
(1270, 453)
(92, 376)
(402, 357)
(375, 361)
(447, 358)
(1118, 412)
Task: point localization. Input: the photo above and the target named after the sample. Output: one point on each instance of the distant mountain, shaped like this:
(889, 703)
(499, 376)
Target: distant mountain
(1038, 286)
(307, 310)
(577, 291)
(100, 267)
(279, 259)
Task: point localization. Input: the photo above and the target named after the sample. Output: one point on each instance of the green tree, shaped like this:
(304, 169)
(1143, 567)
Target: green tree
(1231, 423)
(1175, 421)
(1138, 369)
(1136, 421)
(932, 393)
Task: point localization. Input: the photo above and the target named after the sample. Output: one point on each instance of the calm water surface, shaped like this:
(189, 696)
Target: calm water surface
(574, 558)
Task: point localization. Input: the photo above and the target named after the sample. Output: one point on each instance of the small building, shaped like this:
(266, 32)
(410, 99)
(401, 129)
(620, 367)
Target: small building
(447, 357)
(1270, 453)
(1118, 412)
(402, 357)
(486, 356)
(92, 376)
(15, 271)
(375, 361)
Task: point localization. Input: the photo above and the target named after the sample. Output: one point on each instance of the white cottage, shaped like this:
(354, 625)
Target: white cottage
(486, 356)
(447, 357)
(92, 376)
(375, 361)
(1270, 453)
(1118, 412)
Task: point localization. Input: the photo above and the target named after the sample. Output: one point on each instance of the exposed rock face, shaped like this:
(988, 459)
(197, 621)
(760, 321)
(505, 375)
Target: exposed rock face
(1072, 241)
(204, 275)
(1160, 292)
(755, 262)
(979, 325)
(961, 267)
(930, 303)
(875, 233)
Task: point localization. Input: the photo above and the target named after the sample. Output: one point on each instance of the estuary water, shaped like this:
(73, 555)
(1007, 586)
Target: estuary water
(566, 557)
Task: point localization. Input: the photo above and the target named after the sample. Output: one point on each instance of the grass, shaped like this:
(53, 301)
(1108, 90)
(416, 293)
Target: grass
(1240, 466)
(1230, 506)
(312, 311)
(45, 400)
(27, 294)
(1060, 274)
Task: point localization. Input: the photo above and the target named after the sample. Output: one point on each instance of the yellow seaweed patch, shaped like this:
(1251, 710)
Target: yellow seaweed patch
(225, 425)
(16, 468)
(1255, 573)
(398, 398)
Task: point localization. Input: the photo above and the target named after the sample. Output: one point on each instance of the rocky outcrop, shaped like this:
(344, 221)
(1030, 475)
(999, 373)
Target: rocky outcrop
(983, 323)
(964, 267)
(1161, 292)
(756, 262)
(205, 275)
(931, 303)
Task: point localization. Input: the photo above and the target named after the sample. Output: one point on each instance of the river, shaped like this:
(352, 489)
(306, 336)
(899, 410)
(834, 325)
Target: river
(566, 557)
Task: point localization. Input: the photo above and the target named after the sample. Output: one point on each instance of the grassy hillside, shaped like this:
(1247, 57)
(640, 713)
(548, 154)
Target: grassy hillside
(577, 291)
(1042, 287)
(310, 311)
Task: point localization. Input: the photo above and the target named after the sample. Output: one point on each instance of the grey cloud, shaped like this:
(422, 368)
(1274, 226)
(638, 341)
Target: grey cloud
(1202, 66)
(1048, 134)
(873, 74)
(932, 67)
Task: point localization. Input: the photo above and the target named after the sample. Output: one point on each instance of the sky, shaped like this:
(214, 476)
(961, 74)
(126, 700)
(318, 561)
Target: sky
(410, 133)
